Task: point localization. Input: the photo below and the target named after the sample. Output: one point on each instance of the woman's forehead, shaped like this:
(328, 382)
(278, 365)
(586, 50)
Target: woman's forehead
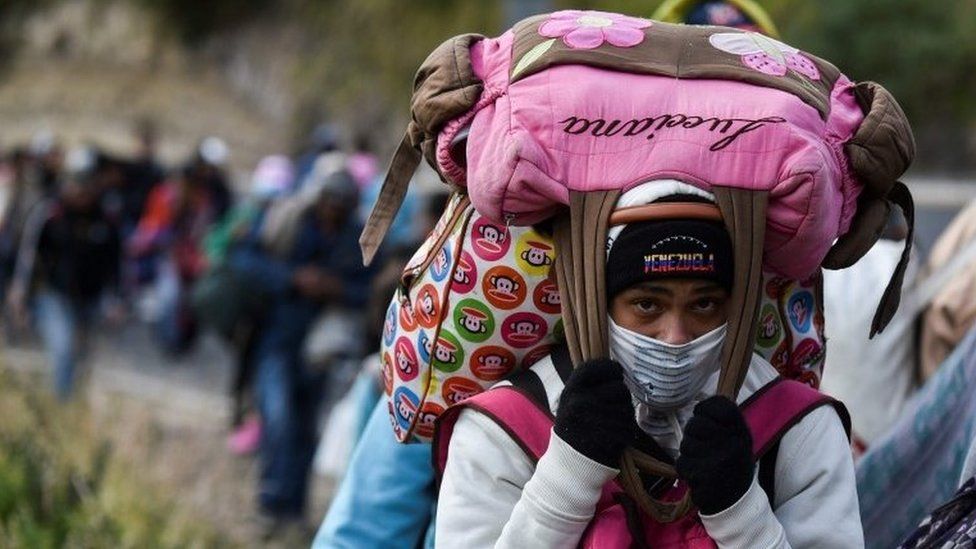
(677, 286)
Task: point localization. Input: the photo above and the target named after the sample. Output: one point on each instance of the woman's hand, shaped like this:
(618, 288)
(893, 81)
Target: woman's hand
(716, 455)
(596, 414)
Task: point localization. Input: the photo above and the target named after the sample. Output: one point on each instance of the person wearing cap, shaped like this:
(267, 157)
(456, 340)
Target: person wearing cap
(169, 238)
(23, 193)
(209, 166)
(68, 262)
(747, 15)
(668, 286)
(273, 177)
(317, 271)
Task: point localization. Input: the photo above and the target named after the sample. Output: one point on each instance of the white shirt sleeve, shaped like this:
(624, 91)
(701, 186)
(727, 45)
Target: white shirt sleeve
(492, 496)
(816, 495)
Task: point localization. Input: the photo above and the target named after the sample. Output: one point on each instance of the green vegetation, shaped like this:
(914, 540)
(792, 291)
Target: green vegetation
(61, 485)
(361, 56)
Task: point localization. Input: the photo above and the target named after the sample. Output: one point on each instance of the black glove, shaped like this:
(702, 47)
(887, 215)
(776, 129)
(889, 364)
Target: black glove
(716, 455)
(596, 416)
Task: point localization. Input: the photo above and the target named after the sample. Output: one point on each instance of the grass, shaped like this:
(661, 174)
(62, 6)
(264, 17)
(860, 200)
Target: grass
(63, 484)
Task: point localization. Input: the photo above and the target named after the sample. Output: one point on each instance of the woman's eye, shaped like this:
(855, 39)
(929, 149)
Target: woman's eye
(705, 305)
(646, 306)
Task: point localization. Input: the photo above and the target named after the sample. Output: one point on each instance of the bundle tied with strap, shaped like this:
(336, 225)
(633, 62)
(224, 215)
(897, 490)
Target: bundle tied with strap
(555, 118)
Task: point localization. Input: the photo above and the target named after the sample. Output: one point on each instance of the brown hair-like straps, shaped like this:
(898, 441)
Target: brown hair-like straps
(444, 88)
(744, 212)
(635, 462)
(866, 228)
(884, 146)
(891, 298)
(581, 241)
(402, 167)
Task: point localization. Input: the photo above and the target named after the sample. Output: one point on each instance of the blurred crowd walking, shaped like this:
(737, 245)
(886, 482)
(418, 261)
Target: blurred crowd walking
(91, 240)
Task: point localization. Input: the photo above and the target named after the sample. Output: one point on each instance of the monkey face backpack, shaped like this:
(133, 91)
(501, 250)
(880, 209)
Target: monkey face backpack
(475, 304)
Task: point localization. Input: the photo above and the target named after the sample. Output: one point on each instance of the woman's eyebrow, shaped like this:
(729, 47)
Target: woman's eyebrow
(708, 288)
(651, 288)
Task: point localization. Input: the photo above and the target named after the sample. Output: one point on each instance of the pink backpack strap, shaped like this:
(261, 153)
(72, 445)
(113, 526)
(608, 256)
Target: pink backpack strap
(527, 422)
(770, 412)
(779, 405)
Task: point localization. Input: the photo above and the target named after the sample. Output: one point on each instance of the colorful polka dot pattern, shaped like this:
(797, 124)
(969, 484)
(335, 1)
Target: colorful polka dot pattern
(477, 307)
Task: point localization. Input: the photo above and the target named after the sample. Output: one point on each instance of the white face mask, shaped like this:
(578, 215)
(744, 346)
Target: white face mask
(663, 376)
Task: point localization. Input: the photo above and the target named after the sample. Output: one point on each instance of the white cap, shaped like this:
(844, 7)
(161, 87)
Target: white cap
(213, 150)
(273, 176)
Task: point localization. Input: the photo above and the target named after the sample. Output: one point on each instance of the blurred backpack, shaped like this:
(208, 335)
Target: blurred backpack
(224, 297)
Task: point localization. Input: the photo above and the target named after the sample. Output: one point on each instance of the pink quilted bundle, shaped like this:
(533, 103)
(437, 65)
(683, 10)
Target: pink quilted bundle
(585, 101)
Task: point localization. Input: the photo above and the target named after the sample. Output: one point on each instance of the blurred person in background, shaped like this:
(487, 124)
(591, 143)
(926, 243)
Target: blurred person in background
(874, 377)
(282, 220)
(741, 14)
(68, 261)
(209, 165)
(144, 171)
(48, 161)
(230, 302)
(31, 175)
(114, 184)
(129, 181)
(951, 313)
(323, 140)
(8, 188)
(363, 165)
(20, 195)
(317, 269)
(169, 237)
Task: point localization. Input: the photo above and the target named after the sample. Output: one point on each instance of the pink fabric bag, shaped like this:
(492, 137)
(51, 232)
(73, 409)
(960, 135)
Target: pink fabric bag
(590, 101)
(579, 126)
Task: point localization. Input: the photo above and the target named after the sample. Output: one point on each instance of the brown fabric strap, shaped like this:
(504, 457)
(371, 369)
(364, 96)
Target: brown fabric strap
(890, 299)
(629, 480)
(883, 146)
(866, 228)
(402, 167)
(668, 210)
(744, 212)
(581, 258)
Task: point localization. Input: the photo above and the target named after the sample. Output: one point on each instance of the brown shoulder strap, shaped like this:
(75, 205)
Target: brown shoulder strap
(402, 167)
(901, 197)
(744, 212)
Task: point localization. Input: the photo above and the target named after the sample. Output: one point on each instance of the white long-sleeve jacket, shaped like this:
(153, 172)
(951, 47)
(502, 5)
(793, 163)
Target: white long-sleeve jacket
(492, 495)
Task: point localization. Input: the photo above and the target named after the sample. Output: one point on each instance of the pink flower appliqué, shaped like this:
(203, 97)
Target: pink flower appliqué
(585, 30)
(764, 54)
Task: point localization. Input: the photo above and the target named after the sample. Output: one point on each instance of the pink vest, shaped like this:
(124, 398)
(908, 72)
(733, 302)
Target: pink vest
(770, 412)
